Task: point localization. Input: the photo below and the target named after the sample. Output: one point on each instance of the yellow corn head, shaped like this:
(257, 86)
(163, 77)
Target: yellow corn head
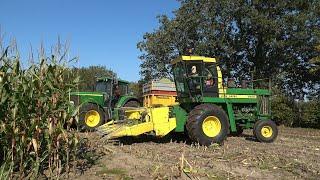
(138, 121)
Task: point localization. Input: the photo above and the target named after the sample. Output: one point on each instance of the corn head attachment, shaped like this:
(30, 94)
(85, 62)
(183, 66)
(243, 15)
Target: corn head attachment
(138, 121)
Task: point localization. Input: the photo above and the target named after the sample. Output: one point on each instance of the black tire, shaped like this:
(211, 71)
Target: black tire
(1, 155)
(238, 132)
(132, 104)
(254, 127)
(195, 121)
(86, 110)
(269, 135)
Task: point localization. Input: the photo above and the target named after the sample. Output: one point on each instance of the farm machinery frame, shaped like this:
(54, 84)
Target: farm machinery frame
(207, 110)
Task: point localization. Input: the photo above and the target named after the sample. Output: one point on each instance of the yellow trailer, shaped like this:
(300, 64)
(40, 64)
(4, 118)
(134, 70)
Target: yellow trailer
(151, 100)
(159, 93)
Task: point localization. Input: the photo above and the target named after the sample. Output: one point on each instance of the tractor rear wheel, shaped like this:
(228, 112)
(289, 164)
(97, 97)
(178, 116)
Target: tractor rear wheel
(91, 116)
(131, 104)
(265, 131)
(207, 124)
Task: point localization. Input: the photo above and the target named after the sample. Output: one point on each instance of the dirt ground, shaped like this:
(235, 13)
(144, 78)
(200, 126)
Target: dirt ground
(294, 155)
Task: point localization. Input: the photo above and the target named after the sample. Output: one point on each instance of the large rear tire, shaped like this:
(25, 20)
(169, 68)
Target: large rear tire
(132, 104)
(207, 124)
(91, 116)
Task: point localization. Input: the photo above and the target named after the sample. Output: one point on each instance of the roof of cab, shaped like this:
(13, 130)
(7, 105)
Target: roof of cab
(193, 58)
(106, 78)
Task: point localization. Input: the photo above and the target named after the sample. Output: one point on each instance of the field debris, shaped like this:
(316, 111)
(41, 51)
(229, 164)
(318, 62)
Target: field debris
(292, 156)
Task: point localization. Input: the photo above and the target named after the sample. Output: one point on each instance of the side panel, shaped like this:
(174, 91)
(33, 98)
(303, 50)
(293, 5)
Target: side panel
(86, 97)
(248, 91)
(237, 99)
(92, 99)
(181, 117)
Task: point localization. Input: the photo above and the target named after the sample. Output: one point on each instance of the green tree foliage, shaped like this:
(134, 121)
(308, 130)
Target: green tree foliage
(315, 70)
(295, 113)
(277, 38)
(89, 74)
(316, 62)
(136, 88)
(311, 114)
(283, 109)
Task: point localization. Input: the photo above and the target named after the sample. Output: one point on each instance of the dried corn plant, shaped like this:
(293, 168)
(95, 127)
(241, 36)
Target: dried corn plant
(34, 115)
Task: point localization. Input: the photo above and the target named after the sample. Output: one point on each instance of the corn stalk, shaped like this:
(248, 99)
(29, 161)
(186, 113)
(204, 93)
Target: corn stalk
(35, 116)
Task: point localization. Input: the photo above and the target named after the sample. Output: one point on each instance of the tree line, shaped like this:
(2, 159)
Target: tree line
(264, 38)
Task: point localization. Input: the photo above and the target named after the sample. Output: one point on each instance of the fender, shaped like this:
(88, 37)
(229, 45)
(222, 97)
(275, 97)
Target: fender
(124, 99)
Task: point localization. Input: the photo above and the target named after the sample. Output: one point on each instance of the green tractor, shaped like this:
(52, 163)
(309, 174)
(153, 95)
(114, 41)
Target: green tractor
(208, 110)
(104, 103)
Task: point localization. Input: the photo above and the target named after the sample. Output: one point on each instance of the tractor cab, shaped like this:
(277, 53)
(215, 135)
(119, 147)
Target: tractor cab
(196, 76)
(112, 89)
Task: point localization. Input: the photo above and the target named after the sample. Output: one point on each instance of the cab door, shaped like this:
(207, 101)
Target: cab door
(210, 75)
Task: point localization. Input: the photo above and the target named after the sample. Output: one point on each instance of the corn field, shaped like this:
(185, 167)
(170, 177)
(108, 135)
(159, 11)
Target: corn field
(35, 116)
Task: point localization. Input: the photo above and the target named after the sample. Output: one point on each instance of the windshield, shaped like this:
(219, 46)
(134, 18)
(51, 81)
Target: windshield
(179, 76)
(102, 86)
(195, 77)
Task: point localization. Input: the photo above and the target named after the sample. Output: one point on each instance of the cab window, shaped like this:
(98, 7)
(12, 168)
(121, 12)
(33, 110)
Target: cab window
(210, 74)
(123, 89)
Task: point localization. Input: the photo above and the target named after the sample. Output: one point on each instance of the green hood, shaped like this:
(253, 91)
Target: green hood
(87, 97)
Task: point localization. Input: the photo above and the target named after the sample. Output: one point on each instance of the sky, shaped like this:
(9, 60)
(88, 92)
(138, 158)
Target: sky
(100, 32)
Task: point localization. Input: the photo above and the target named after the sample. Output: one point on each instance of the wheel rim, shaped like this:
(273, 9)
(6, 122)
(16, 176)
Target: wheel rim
(266, 131)
(211, 126)
(92, 118)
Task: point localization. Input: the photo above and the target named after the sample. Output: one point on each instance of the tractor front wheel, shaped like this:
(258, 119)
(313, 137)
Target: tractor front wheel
(265, 131)
(207, 124)
(91, 116)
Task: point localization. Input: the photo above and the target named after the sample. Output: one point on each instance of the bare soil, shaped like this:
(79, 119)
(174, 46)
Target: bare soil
(294, 155)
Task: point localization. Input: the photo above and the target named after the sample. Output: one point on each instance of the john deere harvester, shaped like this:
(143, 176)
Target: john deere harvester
(104, 103)
(208, 110)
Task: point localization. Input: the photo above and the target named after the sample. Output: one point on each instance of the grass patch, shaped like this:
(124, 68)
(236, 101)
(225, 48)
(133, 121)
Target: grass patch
(111, 171)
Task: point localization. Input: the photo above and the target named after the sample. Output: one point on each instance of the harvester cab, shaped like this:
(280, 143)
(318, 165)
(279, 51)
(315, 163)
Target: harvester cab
(207, 110)
(196, 77)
